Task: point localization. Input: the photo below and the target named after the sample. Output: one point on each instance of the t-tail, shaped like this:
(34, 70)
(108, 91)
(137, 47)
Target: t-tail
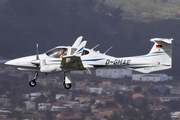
(159, 57)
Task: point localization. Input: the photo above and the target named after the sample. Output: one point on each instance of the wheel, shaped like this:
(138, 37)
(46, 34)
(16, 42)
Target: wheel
(32, 83)
(67, 86)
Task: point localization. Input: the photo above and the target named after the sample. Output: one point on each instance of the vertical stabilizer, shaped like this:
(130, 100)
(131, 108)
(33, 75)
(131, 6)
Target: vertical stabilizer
(162, 48)
(159, 57)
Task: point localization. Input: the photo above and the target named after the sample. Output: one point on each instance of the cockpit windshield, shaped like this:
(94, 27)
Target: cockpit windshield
(57, 52)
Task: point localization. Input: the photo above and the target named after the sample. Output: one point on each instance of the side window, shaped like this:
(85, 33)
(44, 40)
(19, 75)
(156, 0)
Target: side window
(73, 50)
(85, 52)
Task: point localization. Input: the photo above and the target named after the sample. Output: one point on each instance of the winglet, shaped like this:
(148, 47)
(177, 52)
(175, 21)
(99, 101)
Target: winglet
(77, 42)
(80, 49)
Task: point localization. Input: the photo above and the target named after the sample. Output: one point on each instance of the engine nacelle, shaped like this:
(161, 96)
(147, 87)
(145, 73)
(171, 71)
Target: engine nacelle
(49, 68)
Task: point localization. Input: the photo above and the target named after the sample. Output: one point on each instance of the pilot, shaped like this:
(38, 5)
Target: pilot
(62, 53)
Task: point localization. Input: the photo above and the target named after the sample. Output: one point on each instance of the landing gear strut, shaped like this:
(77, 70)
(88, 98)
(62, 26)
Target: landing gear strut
(32, 83)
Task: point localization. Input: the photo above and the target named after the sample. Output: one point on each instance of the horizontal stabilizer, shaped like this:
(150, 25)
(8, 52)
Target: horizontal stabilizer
(168, 41)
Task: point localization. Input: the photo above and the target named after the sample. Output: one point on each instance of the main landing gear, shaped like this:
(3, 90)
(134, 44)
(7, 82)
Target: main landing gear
(67, 80)
(67, 85)
(32, 83)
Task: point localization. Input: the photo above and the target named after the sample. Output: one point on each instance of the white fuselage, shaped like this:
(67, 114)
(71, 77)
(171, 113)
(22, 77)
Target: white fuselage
(92, 60)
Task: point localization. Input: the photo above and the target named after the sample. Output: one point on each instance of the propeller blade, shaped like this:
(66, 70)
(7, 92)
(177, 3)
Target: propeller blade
(37, 57)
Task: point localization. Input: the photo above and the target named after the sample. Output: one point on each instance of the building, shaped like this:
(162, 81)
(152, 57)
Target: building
(158, 107)
(137, 95)
(108, 90)
(81, 84)
(58, 108)
(44, 92)
(67, 116)
(6, 102)
(63, 96)
(48, 81)
(175, 114)
(82, 99)
(151, 77)
(35, 95)
(175, 91)
(95, 90)
(103, 99)
(168, 98)
(30, 105)
(153, 101)
(105, 84)
(124, 87)
(113, 73)
(42, 106)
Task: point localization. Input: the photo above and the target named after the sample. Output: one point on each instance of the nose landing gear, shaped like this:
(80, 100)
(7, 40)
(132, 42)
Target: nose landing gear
(32, 83)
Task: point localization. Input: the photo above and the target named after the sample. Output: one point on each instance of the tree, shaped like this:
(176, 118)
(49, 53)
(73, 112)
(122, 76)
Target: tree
(110, 104)
(126, 118)
(87, 118)
(99, 105)
(137, 89)
(166, 92)
(119, 98)
(41, 98)
(115, 116)
(48, 115)
(16, 114)
(154, 114)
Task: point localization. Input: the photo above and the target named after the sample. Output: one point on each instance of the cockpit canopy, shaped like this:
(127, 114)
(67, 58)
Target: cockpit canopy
(57, 52)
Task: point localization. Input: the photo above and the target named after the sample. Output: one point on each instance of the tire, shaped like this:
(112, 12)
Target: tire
(67, 86)
(32, 83)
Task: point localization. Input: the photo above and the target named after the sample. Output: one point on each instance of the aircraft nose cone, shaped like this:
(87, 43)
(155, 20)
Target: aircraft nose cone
(11, 62)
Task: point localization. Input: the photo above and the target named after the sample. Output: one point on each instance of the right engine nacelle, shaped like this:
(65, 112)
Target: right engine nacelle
(48, 68)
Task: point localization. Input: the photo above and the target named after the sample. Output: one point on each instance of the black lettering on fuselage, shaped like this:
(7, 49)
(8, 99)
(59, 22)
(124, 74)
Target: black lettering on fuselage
(118, 62)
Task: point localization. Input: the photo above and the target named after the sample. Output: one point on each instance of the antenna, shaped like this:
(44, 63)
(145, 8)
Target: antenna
(108, 50)
(95, 47)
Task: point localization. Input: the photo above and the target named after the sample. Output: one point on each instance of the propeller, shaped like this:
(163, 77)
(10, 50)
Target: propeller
(37, 61)
(37, 54)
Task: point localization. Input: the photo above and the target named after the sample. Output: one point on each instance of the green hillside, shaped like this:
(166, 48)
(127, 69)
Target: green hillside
(141, 9)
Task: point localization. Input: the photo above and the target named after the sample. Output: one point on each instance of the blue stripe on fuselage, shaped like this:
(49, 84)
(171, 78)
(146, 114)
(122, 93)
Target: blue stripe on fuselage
(94, 59)
(82, 60)
(150, 55)
(55, 61)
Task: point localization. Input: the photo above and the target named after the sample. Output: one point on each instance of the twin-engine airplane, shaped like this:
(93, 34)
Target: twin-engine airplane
(77, 57)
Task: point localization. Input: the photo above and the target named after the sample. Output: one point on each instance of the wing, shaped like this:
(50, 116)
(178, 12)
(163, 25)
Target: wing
(80, 49)
(72, 62)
